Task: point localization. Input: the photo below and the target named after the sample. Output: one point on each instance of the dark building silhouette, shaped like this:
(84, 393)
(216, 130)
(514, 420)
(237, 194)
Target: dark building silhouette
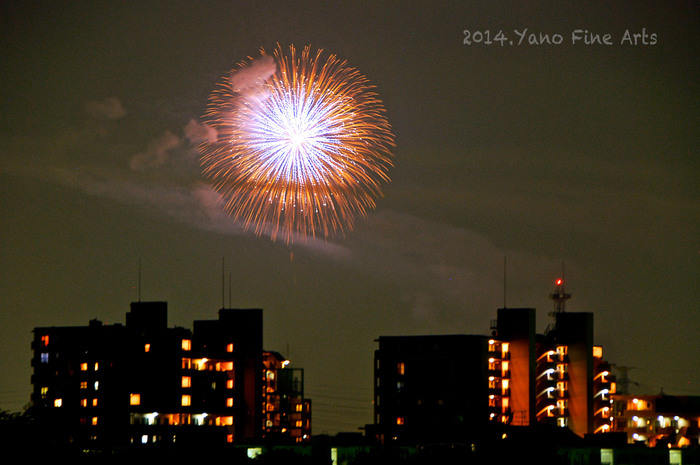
(235, 338)
(104, 387)
(429, 388)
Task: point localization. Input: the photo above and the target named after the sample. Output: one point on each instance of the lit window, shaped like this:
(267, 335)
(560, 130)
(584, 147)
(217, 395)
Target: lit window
(58, 402)
(44, 391)
(83, 402)
(399, 420)
(201, 364)
(229, 438)
(186, 400)
(299, 407)
(229, 347)
(83, 385)
(186, 381)
(229, 384)
(45, 340)
(147, 347)
(44, 357)
(94, 402)
(135, 399)
(186, 363)
(597, 351)
(229, 402)
(401, 368)
(97, 385)
(94, 421)
(299, 423)
(186, 344)
(97, 366)
(83, 367)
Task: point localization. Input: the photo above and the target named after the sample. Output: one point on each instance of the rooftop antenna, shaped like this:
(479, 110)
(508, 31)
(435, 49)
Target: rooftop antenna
(559, 296)
(223, 286)
(229, 290)
(504, 280)
(139, 284)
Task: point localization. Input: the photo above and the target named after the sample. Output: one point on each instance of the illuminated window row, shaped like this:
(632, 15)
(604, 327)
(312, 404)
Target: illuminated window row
(187, 346)
(185, 400)
(86, 366)
(205, 364)
(180, 419)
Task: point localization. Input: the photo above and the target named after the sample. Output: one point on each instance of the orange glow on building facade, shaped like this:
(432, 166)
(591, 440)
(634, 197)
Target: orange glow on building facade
(522, 378)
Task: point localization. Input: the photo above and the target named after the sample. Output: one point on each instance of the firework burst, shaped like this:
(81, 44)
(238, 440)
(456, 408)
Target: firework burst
(303, 144)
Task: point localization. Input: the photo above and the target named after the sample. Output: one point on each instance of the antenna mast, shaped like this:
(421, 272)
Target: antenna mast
(504, 281)
(139, 284)
(559, 296)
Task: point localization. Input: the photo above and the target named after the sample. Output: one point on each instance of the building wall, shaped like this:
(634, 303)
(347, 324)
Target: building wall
(575, 331)
(517, 327)
(237, 335)
(430, 388)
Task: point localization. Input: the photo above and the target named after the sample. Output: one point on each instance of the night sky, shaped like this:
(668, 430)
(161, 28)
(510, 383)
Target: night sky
(515, 161)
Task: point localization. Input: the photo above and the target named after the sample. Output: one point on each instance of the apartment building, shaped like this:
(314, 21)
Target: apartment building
(657, 420)
(431, 387)
(101, 387)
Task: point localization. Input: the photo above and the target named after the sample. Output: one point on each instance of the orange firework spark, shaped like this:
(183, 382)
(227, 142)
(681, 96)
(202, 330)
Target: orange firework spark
(303, 144)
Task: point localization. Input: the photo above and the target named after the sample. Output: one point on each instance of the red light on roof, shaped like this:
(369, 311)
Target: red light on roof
(559, 282)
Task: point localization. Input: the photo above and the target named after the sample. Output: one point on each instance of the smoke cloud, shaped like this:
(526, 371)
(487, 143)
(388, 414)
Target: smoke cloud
(109, 108)
(253, 75)
(199, 132)
(157, 153)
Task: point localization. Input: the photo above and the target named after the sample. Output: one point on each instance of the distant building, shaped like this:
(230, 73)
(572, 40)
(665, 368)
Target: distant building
(657, 420)
(146, 385)
(431, 387)
(287, 412)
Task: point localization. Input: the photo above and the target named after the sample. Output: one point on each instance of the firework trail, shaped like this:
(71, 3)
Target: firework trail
(303, 144)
